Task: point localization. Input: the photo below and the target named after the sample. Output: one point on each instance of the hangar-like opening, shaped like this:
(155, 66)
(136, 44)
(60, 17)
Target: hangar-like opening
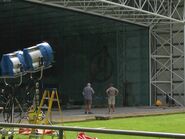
(87, 48)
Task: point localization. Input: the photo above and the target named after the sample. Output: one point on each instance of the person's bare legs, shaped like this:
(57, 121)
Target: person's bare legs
(113, 108)
(89, 108)
(109, 108)
(86, 108)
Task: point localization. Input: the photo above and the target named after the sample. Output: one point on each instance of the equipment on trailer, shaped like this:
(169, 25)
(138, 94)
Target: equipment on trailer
(37, 57)
(13, 64)
(43, 115)
(17, 64)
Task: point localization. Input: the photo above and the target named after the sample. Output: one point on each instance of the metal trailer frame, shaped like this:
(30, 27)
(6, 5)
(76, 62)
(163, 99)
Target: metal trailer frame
(165, 20)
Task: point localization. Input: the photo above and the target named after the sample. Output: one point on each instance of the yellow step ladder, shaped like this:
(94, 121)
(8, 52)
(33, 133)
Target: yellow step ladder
(50, 95)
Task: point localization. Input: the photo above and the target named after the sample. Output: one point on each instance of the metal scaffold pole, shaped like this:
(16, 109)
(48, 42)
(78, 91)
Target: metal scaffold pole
(184, 44)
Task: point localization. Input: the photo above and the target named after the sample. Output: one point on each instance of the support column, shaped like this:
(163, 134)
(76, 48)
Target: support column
(150, 61)
(184, 46)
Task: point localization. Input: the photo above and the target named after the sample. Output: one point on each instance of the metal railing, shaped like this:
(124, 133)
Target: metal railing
(61, 130)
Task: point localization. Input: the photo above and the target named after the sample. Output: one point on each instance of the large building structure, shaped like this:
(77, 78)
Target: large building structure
(136, 44)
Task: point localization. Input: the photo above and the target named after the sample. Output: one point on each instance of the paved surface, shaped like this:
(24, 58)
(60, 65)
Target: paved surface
(78, 114)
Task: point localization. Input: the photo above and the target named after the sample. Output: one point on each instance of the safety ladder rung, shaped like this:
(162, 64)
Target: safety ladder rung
(44, 107)
(47, 98)
(55, 99)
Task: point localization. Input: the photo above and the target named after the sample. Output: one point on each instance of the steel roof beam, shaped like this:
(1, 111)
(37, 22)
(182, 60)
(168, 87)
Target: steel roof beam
(118, 11)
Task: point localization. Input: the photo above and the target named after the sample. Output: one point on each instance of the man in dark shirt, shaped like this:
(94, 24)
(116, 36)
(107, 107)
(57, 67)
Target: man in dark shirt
(87, 93)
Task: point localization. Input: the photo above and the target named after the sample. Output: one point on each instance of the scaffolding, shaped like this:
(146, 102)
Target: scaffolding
(165, 20)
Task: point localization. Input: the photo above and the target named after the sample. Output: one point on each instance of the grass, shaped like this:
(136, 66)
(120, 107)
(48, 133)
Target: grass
(174, 123)
(166, 123)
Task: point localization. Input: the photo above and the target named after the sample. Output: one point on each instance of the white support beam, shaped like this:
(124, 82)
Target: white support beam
(138, 9)
(184, 46)
(150, 66)
(119, 11)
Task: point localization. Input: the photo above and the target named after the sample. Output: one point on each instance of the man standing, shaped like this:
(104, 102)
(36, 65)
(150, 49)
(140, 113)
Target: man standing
(111, 93)
(87, 93)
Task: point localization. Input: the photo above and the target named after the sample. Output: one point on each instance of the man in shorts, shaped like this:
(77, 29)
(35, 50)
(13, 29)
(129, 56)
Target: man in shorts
(87, 93)
(111, 93)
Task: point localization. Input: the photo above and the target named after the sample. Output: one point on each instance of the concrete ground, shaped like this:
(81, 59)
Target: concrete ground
(121, 112)
(78, 114)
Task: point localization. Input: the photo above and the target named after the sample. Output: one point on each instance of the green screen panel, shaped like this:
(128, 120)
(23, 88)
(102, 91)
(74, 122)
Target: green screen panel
(87, 49)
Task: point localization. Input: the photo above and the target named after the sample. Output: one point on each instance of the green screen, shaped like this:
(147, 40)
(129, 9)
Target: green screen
(87, 49)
